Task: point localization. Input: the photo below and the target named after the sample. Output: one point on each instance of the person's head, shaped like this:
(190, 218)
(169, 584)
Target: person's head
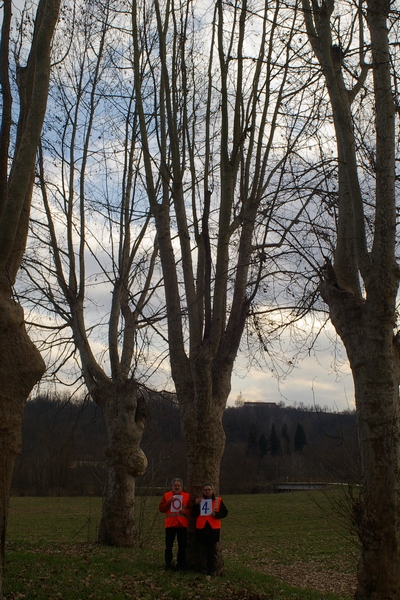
(208, 490)
(177, 485)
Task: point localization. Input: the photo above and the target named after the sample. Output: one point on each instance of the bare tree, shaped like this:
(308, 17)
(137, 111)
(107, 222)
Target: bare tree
(356, 50)
(101, 282)
(214, 94)
(21, 364)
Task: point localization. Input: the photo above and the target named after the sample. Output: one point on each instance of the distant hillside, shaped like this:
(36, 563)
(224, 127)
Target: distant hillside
(64, 442)
(268, 442)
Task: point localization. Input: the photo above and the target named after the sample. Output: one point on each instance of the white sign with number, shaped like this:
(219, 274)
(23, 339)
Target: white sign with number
(206, 507)
(176, 504)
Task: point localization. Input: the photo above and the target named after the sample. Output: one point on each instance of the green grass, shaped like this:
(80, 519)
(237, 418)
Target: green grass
(272, 545)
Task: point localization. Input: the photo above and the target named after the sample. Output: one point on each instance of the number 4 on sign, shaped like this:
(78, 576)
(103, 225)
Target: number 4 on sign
(206, 507)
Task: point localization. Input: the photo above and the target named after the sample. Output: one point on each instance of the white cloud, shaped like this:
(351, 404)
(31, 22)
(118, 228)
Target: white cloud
(322, 378)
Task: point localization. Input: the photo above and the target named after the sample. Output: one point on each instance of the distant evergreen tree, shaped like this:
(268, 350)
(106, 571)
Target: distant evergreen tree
(285, 440)
(252, 440)
(263, 445)
(300, 439)
(274, 442)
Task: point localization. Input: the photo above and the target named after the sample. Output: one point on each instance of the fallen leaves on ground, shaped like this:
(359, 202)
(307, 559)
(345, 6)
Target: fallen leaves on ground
(312, 575)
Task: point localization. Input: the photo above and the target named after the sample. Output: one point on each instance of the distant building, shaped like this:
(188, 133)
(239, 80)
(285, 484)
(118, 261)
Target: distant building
(269, 404)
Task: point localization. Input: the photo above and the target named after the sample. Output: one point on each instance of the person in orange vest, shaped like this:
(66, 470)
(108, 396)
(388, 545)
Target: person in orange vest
(175, 505)
(209, 510)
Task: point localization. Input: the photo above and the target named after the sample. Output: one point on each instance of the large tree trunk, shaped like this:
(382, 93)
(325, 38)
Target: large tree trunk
(366, 328)
(202, 407)
(202, 404)
(378, 572)
(124, 416)
(21, 366)
(205, 442)
(204, 439)
(365, 315)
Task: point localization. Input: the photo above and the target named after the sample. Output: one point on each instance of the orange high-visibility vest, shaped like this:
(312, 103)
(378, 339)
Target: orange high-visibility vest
(173, 519)
(215, 523)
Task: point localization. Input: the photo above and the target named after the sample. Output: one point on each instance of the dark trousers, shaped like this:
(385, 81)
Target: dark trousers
(208, 557)
(181, 534)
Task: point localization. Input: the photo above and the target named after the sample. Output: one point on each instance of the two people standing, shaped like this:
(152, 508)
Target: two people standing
(208, 512)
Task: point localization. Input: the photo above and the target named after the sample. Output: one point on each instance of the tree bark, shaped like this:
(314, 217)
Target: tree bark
(202, 388)
(21, 365)
(366, 328)
(124, 414)
(202, 409)
(364, 315)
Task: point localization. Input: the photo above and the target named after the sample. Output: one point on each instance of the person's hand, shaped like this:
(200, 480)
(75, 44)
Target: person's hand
(198, 500)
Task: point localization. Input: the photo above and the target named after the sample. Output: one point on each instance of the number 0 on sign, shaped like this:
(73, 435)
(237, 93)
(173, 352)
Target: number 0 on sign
(206, 507)
(176, 504)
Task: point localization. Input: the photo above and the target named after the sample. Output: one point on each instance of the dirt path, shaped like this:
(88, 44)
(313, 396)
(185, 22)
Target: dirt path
(313, 576)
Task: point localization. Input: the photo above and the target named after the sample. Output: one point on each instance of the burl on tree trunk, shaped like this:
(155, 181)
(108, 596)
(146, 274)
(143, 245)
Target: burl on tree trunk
(21, 366)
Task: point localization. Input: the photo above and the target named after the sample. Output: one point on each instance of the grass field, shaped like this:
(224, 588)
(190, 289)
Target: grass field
(286, 546)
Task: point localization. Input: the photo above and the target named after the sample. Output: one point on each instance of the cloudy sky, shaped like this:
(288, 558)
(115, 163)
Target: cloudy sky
(312, 381)
(321, 377)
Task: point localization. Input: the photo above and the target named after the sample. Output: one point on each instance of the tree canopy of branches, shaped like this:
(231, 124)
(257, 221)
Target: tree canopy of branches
(247, 139)
(20, 363)
(101, 284)
(214, 93)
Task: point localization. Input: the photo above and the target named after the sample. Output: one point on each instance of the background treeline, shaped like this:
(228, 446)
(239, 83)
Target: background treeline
(64, 442)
